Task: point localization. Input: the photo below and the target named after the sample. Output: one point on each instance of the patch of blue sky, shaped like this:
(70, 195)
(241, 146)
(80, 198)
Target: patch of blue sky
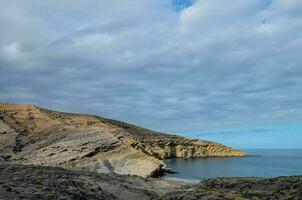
(179, 5)
(265, 4)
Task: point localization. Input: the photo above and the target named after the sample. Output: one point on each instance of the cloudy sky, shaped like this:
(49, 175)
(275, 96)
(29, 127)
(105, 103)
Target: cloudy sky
(169, 65)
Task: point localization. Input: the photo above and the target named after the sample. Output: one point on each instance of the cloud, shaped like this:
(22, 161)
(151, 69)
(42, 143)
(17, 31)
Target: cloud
(167, 65)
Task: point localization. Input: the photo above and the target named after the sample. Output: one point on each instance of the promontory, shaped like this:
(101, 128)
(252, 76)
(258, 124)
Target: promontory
(30, 135)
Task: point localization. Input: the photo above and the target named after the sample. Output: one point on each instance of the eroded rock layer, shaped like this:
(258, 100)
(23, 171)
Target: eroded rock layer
(33, 135)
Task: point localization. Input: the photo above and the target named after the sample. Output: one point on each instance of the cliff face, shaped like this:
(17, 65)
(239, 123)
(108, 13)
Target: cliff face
(33, 135)
(182, 148)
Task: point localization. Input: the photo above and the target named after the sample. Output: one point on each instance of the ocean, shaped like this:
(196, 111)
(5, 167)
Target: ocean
(258, 163)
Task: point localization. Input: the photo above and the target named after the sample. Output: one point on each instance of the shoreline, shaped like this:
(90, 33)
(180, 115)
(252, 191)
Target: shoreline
(267, 164)
(182, 180)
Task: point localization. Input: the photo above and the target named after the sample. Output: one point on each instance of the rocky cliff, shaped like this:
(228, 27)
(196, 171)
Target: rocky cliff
(33, 135)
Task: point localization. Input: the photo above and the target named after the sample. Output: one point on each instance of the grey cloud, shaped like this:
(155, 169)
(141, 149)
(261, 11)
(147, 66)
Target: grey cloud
(210, 65)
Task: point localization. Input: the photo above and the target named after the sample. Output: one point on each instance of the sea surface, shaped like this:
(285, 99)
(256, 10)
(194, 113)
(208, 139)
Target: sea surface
(258, 163)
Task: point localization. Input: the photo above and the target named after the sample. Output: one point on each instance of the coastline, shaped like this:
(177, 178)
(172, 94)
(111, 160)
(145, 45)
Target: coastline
(258, 163)
(45, 137)
(101, 158)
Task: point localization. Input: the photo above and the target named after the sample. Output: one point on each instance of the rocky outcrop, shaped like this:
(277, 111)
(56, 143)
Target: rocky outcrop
(37, 182)
(33, 135)
(242, 189)
(182, 148)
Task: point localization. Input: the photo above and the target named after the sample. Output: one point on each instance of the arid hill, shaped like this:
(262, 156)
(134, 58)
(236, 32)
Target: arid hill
(33, 135)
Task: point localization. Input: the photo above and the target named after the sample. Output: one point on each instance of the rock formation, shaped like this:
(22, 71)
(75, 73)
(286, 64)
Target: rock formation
(33, 135)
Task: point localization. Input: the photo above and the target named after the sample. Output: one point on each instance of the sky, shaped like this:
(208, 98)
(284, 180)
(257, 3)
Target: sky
(255, 137)
(180, 66)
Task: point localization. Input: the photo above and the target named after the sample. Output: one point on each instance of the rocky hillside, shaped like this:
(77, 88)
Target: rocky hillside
(33, 135)
(37, 182)
(288, 187)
